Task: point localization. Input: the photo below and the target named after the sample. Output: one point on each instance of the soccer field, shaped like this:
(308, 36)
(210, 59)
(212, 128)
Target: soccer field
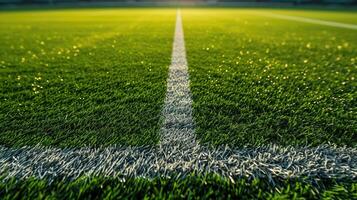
(191, 103)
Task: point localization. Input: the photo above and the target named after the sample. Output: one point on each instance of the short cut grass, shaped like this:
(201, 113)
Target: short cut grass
(258, 80)
(192, 187)
(88, 77)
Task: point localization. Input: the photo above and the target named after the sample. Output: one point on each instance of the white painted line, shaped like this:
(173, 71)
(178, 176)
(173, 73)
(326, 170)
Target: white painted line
(310, 20)
(178, 153)
(266, 162)
(178, 126)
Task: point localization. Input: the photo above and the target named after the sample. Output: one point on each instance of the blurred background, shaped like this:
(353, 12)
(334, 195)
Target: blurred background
(344, 3)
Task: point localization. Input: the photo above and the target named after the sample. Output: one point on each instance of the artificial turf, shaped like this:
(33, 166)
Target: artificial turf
(87, 77)
(192, 187)
(91, 77)
(258, 80)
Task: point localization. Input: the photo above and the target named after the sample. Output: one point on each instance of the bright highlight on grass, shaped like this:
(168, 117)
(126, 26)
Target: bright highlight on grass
(84, 108)
(258, 79)
(75, 78)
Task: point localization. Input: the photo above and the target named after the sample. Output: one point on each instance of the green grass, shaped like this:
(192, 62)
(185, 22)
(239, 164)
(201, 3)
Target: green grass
(93, 77)
(258, 80)
(192, 187)
(87, 77)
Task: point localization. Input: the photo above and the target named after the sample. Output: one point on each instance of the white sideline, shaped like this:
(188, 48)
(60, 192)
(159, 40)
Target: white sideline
(178, 153)
(310, 20)
(167, 160)
(178, 126)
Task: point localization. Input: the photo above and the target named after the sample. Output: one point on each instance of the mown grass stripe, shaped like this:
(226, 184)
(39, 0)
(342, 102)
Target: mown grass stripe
(313, 21)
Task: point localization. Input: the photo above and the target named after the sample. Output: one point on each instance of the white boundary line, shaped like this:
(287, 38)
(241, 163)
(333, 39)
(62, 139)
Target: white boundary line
(178, 127)
(312, 21)
(178, 153)
(268, 161)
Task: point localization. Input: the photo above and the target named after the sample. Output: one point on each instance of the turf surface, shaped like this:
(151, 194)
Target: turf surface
(258, 80)
(87, 77)
(72, 78)
(191, 187)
